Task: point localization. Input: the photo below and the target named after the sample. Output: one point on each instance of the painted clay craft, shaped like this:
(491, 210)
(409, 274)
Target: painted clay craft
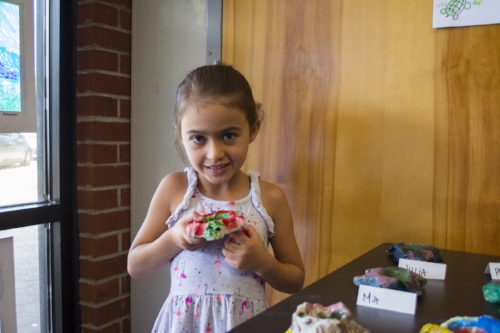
(396, 278)
(491, 292)
(434, 328)
(315, 318)
(482, 324)
(216, 225)
(413, 251)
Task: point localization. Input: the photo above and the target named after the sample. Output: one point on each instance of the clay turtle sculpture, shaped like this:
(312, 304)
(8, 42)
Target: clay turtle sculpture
(216, 225)
(389, 277)
(415, 251)
(491, 292)
(482, 324)
(316, 318)
(455, 7)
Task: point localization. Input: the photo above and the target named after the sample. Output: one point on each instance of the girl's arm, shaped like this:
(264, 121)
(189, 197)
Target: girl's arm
(155, 244)
(285, 270)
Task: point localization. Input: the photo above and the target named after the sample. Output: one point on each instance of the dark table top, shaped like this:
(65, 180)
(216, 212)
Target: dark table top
(459, 295)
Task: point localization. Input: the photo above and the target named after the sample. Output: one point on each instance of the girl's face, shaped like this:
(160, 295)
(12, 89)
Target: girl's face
(216, 140)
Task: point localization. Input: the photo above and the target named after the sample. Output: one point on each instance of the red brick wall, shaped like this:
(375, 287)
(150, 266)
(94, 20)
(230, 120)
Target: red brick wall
(103, 173)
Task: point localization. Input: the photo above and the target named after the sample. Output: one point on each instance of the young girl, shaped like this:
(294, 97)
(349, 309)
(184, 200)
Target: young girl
(216, 285)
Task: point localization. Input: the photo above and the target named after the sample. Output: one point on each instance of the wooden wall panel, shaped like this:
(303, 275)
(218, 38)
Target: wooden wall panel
(467, 94)
(378, 127)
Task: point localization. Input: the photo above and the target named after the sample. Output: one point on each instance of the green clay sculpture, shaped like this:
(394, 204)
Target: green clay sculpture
(491, 292)
(216, 225)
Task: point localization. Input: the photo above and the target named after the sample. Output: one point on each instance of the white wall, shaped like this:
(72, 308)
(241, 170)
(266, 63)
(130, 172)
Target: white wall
(168, 40)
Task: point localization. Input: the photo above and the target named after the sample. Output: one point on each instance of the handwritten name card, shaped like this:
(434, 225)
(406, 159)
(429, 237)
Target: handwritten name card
(493, 268)
(429, 270)
(387, 299)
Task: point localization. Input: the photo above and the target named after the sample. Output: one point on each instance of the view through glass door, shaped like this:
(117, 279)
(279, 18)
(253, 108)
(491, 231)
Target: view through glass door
(33, 220)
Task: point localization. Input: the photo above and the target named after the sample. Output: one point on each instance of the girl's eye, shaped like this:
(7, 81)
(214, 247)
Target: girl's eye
(198, 139)
(228, 136)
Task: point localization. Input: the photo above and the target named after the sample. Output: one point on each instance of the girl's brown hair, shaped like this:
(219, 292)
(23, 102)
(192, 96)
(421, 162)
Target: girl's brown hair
(215, 84)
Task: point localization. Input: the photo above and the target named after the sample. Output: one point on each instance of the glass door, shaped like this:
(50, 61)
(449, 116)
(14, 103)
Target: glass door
(38, 234)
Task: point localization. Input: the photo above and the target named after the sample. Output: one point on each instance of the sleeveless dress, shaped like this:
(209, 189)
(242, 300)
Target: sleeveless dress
(206, 294)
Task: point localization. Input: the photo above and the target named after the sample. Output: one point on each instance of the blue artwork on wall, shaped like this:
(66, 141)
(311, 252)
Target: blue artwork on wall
(10, 58)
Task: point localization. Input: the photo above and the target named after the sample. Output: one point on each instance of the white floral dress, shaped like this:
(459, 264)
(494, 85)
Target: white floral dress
(206, 294)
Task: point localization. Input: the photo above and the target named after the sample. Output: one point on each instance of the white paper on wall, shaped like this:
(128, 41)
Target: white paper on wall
(459, 13)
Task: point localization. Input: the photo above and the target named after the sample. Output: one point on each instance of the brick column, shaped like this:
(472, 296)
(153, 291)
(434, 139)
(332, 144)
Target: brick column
(103, 173)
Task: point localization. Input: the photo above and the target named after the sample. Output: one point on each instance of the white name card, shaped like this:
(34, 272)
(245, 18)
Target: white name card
(387, 299)
(493, 268)
(428, 270)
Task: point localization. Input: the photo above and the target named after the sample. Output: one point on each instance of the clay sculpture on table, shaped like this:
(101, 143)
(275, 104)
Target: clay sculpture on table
(413, 251)
(482, 324)
(434, 328)
(315, 318)
(396, 278)
(491, 292)
(216, 225)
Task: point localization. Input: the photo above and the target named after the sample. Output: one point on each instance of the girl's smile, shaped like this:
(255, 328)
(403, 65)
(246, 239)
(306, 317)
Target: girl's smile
(217, 169)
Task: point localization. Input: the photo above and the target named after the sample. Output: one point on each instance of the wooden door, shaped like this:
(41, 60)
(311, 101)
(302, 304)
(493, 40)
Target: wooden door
(378, 127)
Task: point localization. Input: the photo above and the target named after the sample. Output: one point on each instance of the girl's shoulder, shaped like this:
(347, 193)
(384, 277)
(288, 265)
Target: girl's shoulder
(175, 179)
(174, 186)
(270, 189)
(272, 196)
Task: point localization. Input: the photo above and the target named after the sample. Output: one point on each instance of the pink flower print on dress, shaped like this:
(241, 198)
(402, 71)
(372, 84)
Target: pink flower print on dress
(208, 329)
(183, 276)
(196, 314)
(197, 291)
(218, 299)
(189, 300)
(243, 306)
(217, 262)
(231, 203)
(250, 313)
(177, 270)
(178, 314)
(259, 282)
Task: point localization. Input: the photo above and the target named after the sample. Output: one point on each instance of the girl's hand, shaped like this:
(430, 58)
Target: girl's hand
(244, 251)
(180, 236)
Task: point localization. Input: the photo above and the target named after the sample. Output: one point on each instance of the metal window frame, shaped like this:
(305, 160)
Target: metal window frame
(214, 32)
(59, 213)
